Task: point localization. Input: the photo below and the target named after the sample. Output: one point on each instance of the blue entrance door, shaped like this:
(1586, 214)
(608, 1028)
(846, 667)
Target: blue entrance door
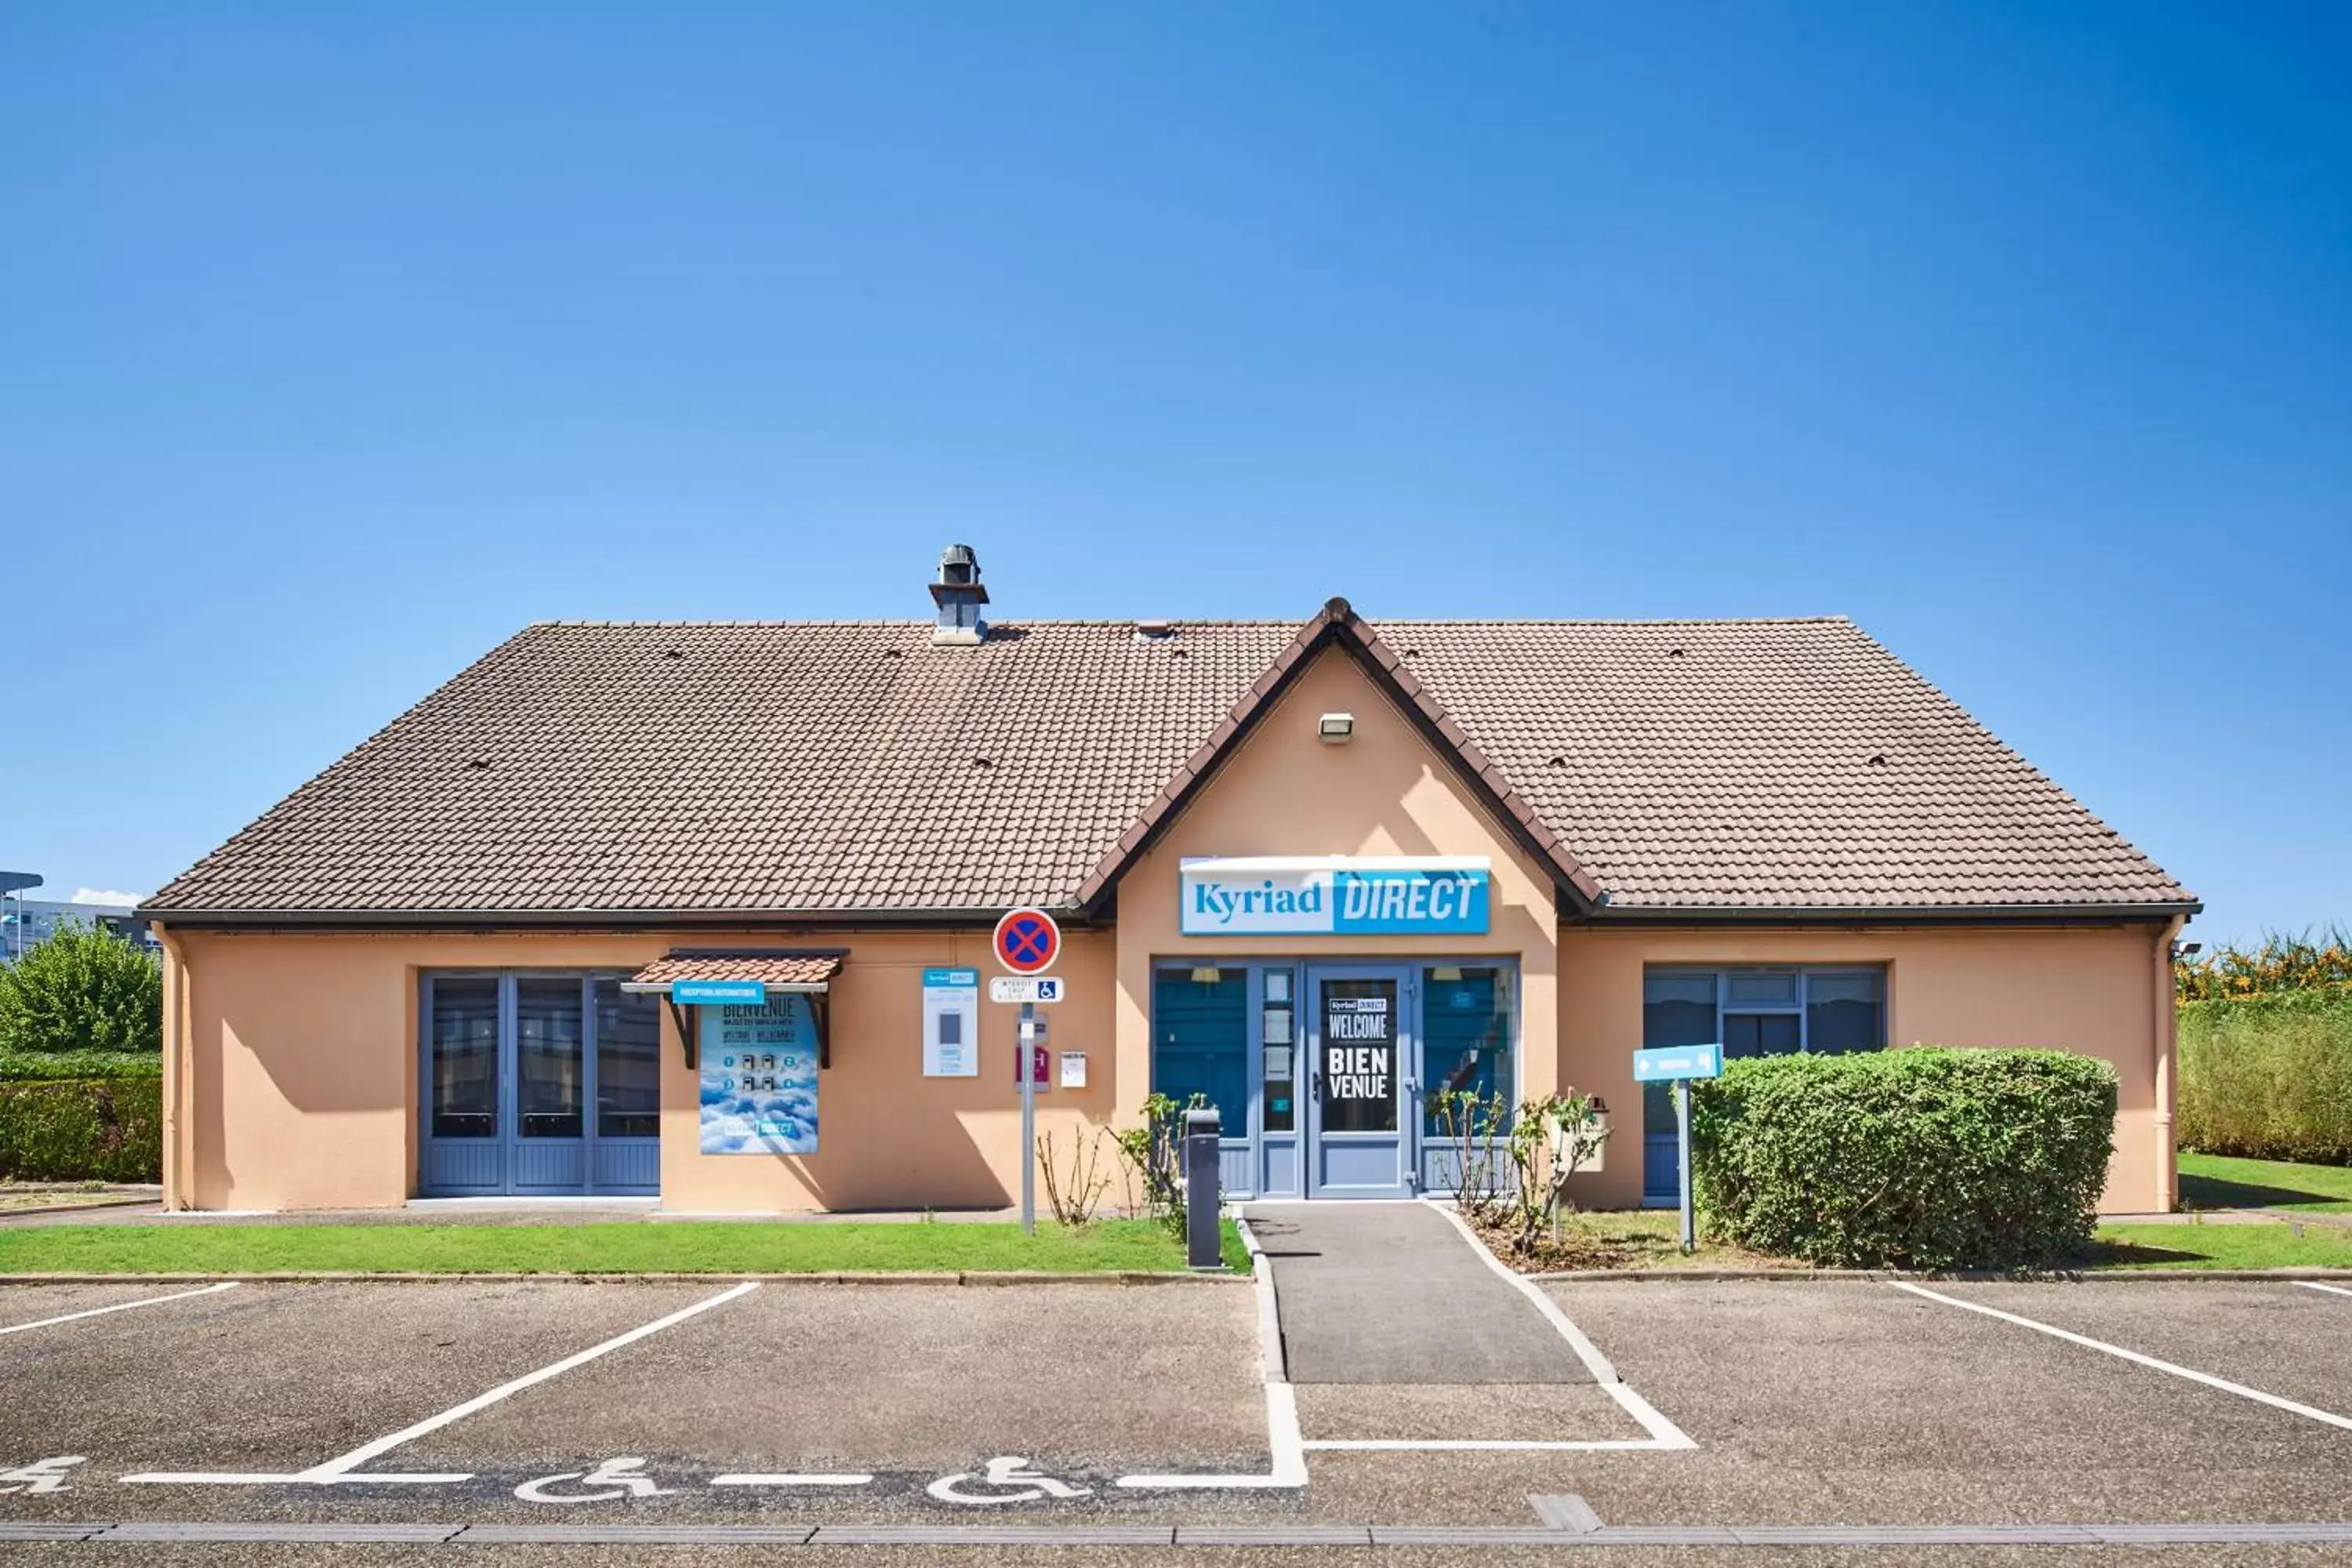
(1363, 1103)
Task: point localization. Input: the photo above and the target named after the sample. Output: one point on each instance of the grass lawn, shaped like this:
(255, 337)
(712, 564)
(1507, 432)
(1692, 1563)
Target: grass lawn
(2263, 1245)
(2221, 1181)
(681, 1247)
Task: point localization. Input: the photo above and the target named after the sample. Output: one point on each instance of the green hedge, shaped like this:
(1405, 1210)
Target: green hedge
(102, 1130)
(21, 1066)
(2269, 1076)
(1912, 1159)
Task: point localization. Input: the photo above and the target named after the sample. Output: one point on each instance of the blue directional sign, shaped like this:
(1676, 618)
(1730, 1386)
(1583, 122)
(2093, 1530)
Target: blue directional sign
(1663, 1064)
(751, 993)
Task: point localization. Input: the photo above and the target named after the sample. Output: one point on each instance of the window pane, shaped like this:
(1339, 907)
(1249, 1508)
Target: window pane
(1278, 1037)
(1759, 1033)
(1845, 1012)
(464, 1039)
(1764, 989)
(629, 1062)
(1357, 1072)
(1678, 1009)
(547, 1037)
(1200, 1040)
(1466, 1036)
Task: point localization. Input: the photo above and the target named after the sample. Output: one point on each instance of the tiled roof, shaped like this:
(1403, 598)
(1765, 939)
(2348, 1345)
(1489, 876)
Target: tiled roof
(839, 768)
(804, 968)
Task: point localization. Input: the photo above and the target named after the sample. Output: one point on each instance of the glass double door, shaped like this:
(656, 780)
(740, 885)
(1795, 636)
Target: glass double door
(537, 1084)
(1363, 1092)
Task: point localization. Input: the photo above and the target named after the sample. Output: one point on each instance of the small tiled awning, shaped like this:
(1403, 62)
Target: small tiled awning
(805, 972)
(801, 971)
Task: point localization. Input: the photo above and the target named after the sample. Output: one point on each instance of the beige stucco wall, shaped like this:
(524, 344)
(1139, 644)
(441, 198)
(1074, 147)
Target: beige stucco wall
(300, 1076)
(2089, 989)
(1387, 792)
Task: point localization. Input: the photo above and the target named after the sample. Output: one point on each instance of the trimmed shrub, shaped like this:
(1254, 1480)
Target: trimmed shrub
(2269, 1076)
(24, 1067)
(98, 1130)
(1911, 1159)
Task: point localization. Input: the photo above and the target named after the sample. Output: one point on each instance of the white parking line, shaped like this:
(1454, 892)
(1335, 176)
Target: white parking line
(1290, 1466)
(758, 1480)
(2135, 1357)
(2331, 1290)
(121, 1306)
(346, 1466)
(1494, 1445)
(1663, 1434)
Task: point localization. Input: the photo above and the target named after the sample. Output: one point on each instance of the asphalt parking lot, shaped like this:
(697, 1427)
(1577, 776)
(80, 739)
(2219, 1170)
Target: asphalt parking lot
(469, 1409)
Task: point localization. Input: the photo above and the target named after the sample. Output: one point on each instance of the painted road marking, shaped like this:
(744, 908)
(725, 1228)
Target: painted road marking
(608, 1482)
(2331, 1290)
(755, 1480)
(121, 1306)
(41, 1474)
(1282, 1438)
(1663, 1434)
(1005, 1471)
(2135, 1357)
(1492, 1445)
(345, 1467)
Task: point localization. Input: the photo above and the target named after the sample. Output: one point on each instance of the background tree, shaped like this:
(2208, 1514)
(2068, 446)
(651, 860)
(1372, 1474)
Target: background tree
(86, 988)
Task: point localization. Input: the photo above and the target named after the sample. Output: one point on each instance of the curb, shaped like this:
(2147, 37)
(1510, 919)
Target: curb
(8, 1214)
(554, 1277)
(1891, 1276)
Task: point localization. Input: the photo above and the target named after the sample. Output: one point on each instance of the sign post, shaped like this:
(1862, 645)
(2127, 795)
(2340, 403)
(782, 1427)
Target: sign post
(1679, 1065)
(1026, 942)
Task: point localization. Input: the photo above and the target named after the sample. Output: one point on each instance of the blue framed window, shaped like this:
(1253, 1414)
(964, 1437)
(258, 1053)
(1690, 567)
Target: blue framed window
(1468, 1017)
(1200, 1038)
(1753, 1011)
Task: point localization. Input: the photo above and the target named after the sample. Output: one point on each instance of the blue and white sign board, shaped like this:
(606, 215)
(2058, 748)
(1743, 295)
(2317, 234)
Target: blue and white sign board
(950, 1023)
(1335, 895)
(1663, 1064)
(1678, 1065)
(759, 1078)
(707, 992)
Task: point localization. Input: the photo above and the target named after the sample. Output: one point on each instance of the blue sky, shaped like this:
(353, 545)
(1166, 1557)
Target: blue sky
(341, 340)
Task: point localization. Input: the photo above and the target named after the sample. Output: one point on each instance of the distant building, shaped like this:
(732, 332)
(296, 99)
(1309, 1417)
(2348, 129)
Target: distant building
(27, 922)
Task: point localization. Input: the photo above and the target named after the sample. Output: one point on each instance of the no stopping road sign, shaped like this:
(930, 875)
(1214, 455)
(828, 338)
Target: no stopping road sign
(1027, 941)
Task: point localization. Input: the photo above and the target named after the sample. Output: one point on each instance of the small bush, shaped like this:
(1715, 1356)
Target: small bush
(1911, 1159)
(84, 989)
(2269, 1076)
(102, 1130)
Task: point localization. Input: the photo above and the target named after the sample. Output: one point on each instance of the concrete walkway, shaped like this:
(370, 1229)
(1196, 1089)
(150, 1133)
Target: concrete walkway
(1393, 1293)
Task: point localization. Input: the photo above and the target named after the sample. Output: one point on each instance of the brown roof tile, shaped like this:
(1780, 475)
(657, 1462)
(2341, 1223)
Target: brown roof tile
(747, 963)
(837, 768)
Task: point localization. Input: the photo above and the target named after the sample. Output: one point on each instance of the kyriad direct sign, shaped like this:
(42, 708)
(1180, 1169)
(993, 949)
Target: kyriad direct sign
(1336, 896)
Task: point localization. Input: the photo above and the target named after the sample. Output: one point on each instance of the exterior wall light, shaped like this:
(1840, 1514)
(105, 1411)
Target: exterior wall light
(1335, 728)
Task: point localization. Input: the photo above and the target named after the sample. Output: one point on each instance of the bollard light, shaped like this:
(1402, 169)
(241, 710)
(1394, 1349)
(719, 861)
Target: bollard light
(1203, 1248)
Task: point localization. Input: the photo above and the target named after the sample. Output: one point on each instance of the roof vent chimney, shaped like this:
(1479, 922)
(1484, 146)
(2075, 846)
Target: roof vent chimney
(958, 596)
